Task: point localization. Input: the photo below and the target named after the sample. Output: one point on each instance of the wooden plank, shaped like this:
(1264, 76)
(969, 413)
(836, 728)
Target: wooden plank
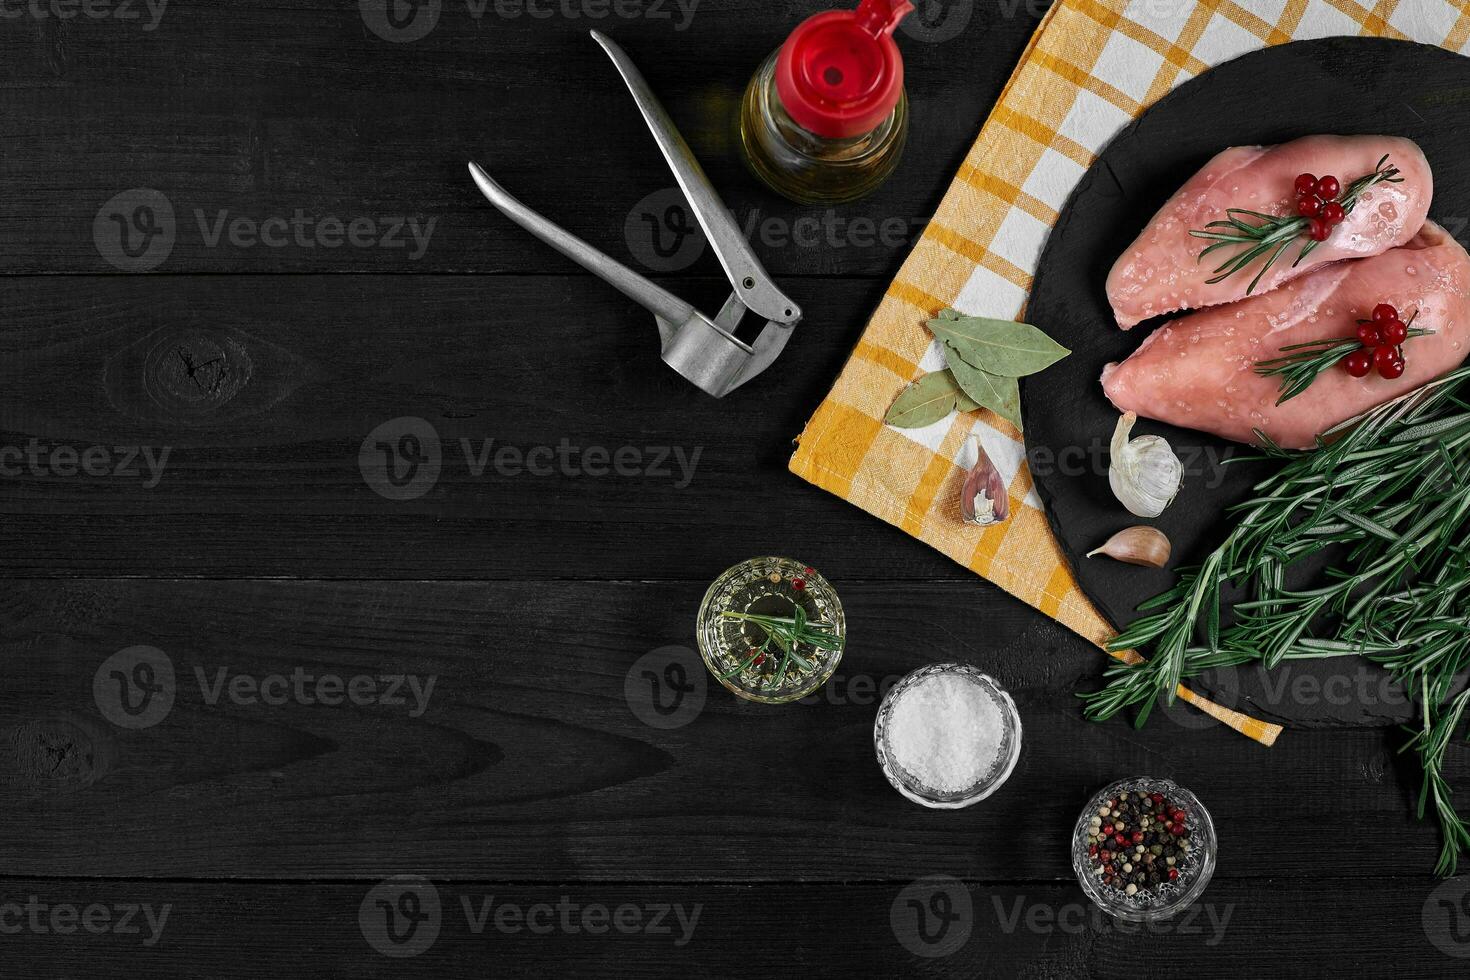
(535, 756)
(232, 930)
(264, 392)
(257, 111)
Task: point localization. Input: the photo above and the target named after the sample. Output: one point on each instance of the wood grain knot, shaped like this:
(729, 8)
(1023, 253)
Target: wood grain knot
(196, 372)
(52, 756)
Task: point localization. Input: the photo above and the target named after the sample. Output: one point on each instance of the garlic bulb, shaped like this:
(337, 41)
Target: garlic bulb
(983, 498)
(1144, 473)
(1139, 545)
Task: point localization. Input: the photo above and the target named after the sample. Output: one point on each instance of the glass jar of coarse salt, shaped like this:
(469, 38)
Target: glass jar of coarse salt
(947, 736)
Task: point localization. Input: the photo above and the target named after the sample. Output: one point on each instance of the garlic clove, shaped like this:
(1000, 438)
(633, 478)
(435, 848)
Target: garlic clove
(983, 497)
(1144, 473)
(1138, 545)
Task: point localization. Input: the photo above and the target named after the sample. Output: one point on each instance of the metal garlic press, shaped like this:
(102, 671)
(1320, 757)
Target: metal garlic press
(703, 349)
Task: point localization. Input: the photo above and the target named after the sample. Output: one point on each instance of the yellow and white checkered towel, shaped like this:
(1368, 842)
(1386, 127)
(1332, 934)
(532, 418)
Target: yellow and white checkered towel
(1092, 66)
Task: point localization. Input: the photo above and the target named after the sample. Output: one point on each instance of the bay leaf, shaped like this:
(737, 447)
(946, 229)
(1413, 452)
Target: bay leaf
(1000, 394)
(926, 401)
(1000, 347)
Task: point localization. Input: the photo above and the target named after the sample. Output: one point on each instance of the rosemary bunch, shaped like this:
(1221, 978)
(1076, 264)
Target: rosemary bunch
(1272, 234)
(787, 633)
(1391, 489)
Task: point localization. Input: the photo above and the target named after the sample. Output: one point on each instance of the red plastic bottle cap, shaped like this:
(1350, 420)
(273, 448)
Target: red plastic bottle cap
(840, 74)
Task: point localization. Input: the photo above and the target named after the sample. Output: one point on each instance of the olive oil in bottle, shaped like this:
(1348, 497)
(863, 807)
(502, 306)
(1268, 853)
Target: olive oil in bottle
(824, 119)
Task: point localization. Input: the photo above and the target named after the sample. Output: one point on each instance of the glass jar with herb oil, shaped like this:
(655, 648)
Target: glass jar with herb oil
(771, 630)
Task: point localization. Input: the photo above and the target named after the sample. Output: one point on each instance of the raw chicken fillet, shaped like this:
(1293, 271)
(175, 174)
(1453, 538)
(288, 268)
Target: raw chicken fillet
(1161, 272)
(1198, 371)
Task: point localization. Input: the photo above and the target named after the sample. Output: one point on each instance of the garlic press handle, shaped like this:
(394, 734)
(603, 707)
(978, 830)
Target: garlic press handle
(752, 284)
(668, 308)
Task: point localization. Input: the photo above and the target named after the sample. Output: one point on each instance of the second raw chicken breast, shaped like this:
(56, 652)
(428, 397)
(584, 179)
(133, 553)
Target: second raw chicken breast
(1198, 372)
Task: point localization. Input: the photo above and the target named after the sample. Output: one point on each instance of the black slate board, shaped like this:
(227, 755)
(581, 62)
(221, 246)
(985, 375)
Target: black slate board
(1333, 85)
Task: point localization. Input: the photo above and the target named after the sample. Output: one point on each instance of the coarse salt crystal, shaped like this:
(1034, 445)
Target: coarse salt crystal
(946, 731)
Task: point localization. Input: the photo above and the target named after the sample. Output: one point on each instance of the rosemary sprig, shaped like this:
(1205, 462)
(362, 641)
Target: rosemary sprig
(787, 633)
(1392, 489)
(1274, 233)
(1301, 363)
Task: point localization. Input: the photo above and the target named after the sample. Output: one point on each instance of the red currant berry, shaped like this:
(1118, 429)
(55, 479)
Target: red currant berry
(1327, 188)
(1382, 313)
(1370, 334)
(1384, 355)
(1334, 213)
(1395, 332)
(1358, 363)
(1306, 184)
(1319, 230)
(1388, 370)
(1309, 206)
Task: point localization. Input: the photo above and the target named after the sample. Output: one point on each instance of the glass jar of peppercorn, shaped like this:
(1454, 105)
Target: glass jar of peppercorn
(1144, 849)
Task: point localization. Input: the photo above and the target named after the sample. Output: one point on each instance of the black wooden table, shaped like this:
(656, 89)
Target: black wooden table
(264, 713)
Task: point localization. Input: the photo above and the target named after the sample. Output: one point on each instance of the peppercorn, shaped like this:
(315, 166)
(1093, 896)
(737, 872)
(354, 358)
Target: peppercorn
(1136, 840)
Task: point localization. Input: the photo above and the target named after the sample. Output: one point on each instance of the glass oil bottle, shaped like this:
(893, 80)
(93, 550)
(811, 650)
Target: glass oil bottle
(824, 119)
